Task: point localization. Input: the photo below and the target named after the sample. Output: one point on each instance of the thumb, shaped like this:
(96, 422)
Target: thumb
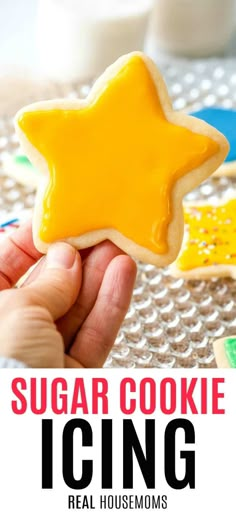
(58, 283)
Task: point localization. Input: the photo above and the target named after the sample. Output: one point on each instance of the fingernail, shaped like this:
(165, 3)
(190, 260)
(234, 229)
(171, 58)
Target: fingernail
(61, 256)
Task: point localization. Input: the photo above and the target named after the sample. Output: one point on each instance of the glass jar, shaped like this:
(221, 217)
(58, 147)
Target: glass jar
(194, 28)
(78, 39)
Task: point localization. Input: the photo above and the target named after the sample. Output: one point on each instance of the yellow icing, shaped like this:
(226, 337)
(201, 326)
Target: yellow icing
(211, 236)
(113, 163)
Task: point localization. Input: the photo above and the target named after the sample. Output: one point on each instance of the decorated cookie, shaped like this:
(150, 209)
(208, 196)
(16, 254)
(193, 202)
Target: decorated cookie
(13, 220)
(209, 243)
(225, 352)
(11, 223)
(117, 165)
(225, 121)
(20, 168)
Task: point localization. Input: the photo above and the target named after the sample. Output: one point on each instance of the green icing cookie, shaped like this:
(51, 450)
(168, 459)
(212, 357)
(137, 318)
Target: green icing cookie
(230, 350)
(21, 159)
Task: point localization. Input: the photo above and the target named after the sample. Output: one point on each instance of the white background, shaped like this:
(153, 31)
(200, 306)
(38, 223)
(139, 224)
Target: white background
(17, 34)
(17, 28)
(20, 452)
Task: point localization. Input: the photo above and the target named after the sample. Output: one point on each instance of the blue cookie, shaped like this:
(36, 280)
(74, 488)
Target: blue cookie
(225, 121)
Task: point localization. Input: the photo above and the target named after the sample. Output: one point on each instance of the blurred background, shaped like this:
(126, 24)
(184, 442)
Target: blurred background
(75, 39)
(17, 33)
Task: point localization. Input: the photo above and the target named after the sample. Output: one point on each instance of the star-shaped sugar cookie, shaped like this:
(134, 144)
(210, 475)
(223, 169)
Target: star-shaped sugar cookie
(116, 165)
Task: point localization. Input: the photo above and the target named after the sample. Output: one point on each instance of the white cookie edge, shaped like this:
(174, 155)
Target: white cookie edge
(227, 169)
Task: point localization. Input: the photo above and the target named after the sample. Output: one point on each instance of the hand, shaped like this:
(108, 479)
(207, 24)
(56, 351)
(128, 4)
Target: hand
(69, 309)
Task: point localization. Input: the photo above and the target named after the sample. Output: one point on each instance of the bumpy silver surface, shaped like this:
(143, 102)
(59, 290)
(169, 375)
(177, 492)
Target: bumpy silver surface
(170, 323)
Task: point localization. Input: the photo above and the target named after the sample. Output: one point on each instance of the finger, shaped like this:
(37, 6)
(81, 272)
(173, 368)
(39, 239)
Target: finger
(17, 255)
(40, 265)
(71, 363)
(57, 286)
(94, 268)
(97, 335)
(33, 274)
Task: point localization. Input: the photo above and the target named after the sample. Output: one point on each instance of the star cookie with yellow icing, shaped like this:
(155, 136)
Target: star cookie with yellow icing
(117, 164)
(209, 243)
